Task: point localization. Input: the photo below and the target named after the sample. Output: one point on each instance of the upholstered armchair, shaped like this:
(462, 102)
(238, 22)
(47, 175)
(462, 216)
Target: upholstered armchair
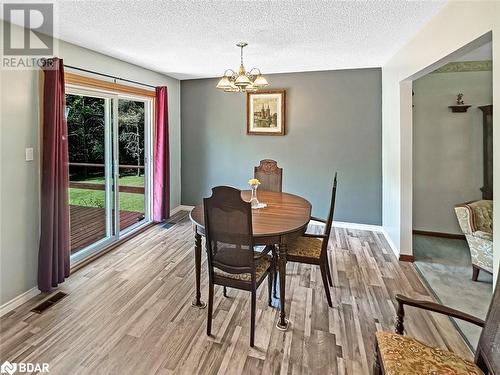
(396, 354)
(476, 221)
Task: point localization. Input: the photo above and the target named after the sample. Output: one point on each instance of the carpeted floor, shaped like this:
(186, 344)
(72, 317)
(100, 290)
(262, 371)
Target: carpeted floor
(445, 265)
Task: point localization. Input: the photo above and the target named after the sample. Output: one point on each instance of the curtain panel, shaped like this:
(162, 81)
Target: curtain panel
(54, 248)
(161, 161)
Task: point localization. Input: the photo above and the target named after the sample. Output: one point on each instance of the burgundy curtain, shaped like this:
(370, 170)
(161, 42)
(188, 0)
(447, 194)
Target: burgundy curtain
(161, 163)
(54, 250)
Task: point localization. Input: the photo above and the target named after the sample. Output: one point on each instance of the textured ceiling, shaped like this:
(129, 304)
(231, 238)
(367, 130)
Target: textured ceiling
(194, 39)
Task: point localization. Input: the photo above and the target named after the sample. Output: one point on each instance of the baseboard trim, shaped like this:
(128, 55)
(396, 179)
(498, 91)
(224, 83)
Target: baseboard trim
(406, 258)
(18, 301)
(439, 234)
(392, 245)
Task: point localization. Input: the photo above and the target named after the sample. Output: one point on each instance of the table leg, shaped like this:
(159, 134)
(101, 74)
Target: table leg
(197, 268)
(282, 322)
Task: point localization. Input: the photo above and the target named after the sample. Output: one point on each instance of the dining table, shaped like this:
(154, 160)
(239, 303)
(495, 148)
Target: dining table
(284, 217)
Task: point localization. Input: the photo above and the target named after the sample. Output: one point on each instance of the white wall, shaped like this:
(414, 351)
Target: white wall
(19, 203)
(19, 180)
(458, 24)
(447, 147)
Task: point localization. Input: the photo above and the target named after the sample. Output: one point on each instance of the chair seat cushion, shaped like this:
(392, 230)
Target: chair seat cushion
(307, 247)
(405, 355)
(262, 264)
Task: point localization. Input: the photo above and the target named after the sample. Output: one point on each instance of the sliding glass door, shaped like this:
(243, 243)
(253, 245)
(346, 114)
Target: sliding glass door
(109, 167)
(131, 163)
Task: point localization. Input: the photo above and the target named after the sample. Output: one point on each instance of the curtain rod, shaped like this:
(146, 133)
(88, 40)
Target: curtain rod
(108, 76)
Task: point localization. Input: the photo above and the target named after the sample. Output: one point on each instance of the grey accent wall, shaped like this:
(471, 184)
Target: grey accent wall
(333, 123)
(19, 179)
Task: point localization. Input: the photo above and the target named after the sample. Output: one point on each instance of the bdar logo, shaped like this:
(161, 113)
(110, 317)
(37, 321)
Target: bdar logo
(8, 368)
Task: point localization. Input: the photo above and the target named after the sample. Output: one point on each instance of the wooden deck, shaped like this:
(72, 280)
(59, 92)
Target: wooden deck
(88, 224)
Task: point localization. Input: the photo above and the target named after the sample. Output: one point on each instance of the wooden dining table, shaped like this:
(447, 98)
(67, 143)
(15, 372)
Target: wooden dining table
(285, 217)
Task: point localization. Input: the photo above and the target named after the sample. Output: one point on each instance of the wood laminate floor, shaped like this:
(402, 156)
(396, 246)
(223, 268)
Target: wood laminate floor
(130, 312)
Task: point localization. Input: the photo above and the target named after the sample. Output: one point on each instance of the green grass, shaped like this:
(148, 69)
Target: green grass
(96, 198)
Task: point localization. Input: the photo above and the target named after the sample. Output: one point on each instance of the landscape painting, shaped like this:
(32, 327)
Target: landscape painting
(266, 112)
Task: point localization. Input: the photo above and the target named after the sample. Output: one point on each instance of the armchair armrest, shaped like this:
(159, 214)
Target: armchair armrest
(464, 216)
(483, 235)
(430, 306)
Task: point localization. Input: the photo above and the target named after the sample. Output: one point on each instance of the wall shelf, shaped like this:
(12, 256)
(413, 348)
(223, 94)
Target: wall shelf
(459, 108)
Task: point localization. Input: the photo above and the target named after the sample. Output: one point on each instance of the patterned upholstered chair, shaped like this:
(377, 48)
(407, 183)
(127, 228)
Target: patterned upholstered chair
(396, 354)
(476, 221)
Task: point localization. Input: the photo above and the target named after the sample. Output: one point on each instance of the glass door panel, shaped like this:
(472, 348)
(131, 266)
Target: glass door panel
(90, 198)
(132, 168)
(109, 143)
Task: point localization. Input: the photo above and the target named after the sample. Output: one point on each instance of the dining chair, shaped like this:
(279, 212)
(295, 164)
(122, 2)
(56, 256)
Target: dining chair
(313, 248)
(232, 259)
(269, 175)
(396, 354)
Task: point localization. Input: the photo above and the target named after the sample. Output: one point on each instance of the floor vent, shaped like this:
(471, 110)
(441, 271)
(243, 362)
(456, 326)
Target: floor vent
(51, 301)
(168, 225)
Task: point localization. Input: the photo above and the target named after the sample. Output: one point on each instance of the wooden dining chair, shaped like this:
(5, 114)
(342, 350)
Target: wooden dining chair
(232, 260)
(396, 354)
(271, 179)
(269, 175)
(313, 248)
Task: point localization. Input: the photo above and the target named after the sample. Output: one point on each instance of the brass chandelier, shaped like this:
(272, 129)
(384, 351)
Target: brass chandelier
(242, 81)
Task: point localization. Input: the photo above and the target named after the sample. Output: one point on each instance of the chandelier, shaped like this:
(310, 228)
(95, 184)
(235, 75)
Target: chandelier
(242, 81)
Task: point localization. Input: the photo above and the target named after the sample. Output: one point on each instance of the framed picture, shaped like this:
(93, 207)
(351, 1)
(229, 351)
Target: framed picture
(266, 112)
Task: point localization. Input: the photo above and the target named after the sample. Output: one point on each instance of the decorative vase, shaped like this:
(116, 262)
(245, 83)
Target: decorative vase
(253, 200)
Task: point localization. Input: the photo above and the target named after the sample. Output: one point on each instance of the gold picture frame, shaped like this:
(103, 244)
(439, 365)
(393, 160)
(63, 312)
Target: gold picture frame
(266, 112)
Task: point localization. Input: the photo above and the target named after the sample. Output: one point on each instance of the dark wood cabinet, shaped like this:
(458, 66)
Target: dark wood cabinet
(487, 188)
